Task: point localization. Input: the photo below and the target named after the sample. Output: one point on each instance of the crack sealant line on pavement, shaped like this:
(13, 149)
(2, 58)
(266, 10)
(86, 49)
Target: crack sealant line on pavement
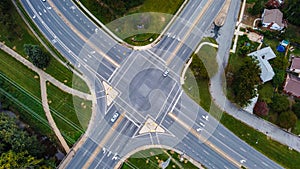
(85, 39)
(208, 143)
(207, 5)
(101, 144)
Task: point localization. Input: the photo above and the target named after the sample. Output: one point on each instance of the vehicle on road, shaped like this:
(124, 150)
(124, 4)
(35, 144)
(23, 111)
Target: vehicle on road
(166, 73)
(114, 117)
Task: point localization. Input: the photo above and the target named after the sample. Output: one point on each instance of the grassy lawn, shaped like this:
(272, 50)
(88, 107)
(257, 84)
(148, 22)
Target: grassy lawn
(25, 92)
(25, 97)
(198, 88)
(16, 42)
(151, 159)
(274, 150)
(19, 74)
(234, 64)
(296, 129)
(71, 114)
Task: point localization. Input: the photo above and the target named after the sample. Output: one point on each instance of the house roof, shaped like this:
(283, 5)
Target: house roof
(295, 63)
(292, 85)
(263, 55)
(273, 15)
(273, 3)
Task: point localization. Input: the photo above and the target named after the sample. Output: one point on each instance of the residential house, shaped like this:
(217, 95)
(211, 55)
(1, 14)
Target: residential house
(292, 83)
(273, 19)
(263, 56)
(295, 66)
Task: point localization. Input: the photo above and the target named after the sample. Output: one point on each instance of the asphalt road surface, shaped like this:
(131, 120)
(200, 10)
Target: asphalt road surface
(144, 92)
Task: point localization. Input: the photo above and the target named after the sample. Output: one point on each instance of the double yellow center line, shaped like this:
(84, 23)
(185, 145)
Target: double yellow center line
(102, 143)
(207, 5)
(208, 143)
(85, 39)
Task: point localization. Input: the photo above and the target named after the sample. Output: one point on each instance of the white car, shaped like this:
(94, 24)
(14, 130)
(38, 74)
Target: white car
(166, 72)
(114, 117)
(202, 124)
(205, 117)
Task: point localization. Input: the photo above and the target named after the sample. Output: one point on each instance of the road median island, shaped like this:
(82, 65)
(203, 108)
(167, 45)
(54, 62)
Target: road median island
(95, 10)
(153, 156)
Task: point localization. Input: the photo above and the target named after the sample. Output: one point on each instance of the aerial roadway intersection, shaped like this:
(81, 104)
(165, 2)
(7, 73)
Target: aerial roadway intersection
(138, 95)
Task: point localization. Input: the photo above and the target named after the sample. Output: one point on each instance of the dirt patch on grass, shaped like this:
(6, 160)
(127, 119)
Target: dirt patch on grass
(248, 19)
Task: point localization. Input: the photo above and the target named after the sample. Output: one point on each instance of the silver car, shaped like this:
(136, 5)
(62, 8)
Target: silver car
(114, 117)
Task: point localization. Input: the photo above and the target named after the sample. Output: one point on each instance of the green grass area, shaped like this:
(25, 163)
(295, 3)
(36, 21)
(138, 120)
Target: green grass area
(296, 129)
(197, 89)
(20, 74)
(70, 113)
(167, 6)
(266, 92)
(141, 39)
(234, 63)
(296, 52)
(23, 98)
(274, 150)
(17, 41)
(26, 93)
(151, 159)
(292, 33)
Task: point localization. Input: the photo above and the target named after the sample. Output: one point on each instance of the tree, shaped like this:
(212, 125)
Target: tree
(266, 92)
(296, 109)
(198, 68)
(18, 140)
(287, 119)
(278, 78)
(261, 109)
(11, 159)
(257, 8)
(37, 56)
(245, 81)
(28, 49)
(243, 50)
(280, 62)
(292, 11)
(280, 103)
